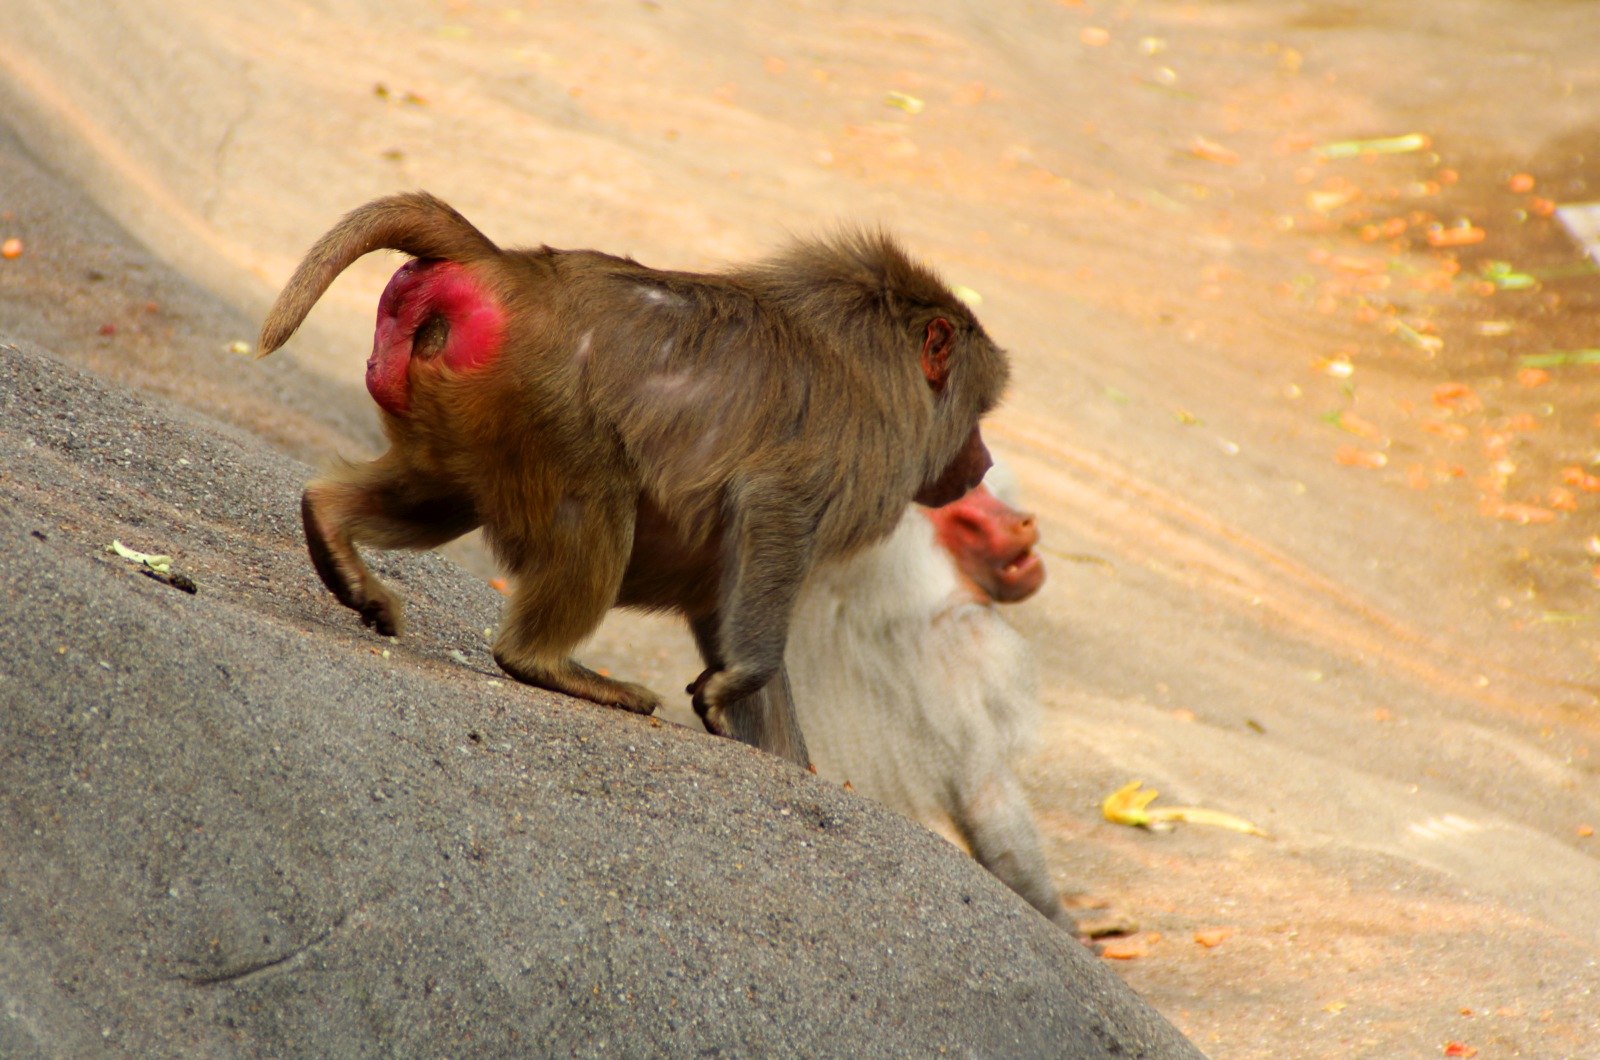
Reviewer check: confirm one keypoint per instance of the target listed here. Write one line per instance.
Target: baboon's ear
(936, 350)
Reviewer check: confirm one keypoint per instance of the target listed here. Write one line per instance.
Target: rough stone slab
(231, 825)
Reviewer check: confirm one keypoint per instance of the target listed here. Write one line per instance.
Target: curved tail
(415, 223)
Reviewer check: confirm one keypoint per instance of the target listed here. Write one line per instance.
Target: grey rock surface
(236, 823)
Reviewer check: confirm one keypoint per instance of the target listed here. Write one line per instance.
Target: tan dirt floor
(1321, 523)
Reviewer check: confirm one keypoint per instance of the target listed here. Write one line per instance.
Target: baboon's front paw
(713, 691)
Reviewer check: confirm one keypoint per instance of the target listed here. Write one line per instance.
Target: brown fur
(657, 439)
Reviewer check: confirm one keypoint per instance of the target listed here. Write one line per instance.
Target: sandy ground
(1316, 484)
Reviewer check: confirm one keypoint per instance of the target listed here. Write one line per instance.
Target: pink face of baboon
(992, 544)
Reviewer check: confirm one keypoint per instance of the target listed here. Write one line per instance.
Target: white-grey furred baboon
(912, 687)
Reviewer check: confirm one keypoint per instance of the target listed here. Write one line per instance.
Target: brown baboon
(645, 438)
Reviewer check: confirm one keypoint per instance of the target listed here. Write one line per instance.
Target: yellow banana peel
(1129, 805)
(159, 564)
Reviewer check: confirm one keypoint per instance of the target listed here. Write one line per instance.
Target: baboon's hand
(716, 689)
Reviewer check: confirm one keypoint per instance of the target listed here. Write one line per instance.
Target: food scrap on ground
(159, 564)
(902, 101)
(1130, 806)
(1560, 358)
(1464, 234)
(155, 566)
(1387, 145)
(1129, 949)
(1211, 151)
(1354, 456)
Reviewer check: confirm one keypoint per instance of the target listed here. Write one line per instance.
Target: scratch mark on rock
(245, 973)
